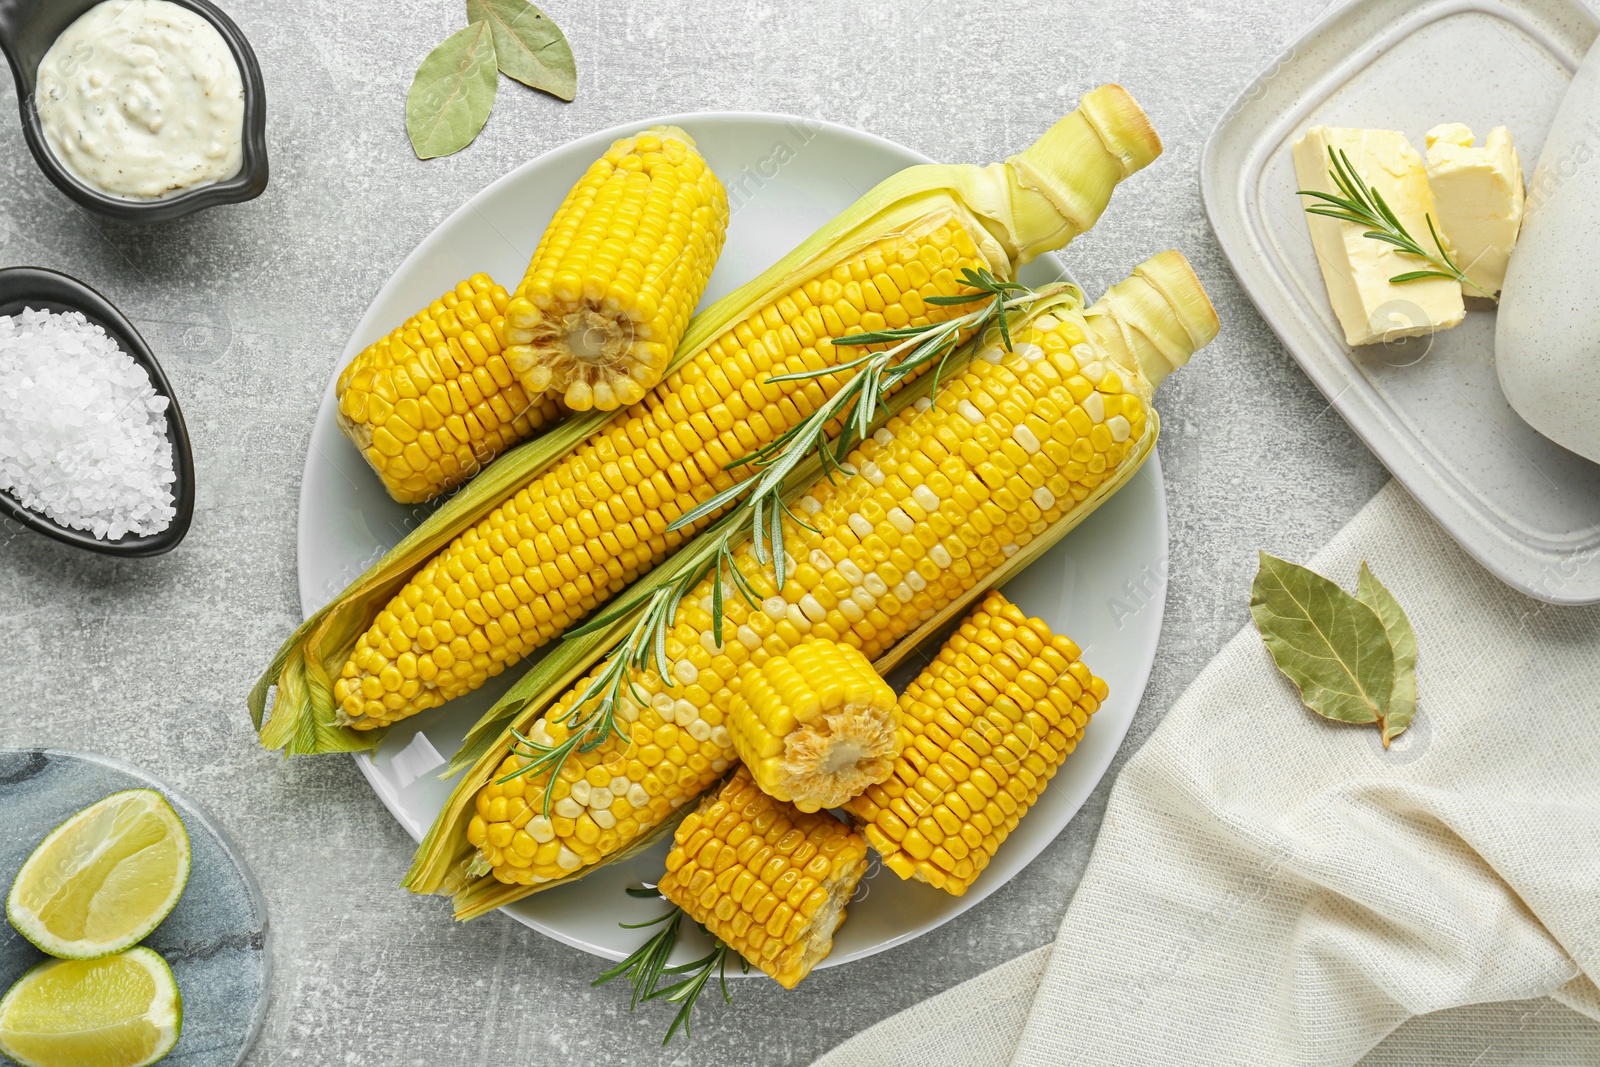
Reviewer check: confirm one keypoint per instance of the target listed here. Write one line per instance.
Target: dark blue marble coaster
(215, 939)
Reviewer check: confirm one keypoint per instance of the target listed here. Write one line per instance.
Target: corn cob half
(418, 631)
(946, 497)
(764, 877)
(433, 402)
(987, 724)
(609, 291)
(815, 726)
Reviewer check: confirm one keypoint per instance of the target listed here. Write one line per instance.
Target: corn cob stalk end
(1156, 318)
(1061, 184)
(1122, 126)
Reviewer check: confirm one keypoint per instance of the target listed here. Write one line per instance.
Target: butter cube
(1357, 269)
(1479, 195)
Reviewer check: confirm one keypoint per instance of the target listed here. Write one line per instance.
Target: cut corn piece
(590, 526)
(943, 497)
(765, 878)
(986, 726)
(610, 289)
(815, 726)
(433, 402)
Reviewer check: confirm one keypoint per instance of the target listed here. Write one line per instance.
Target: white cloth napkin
(1272, 888)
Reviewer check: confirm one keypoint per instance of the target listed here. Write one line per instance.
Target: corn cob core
(816, 726)
(943, 495)
(433, 402)
(987, 724)
(618, 272)
(594, 522)
(764, 877)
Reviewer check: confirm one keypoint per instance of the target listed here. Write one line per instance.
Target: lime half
(117, 1011)
(104, 878)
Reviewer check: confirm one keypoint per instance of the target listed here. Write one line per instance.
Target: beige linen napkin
(1272, 888)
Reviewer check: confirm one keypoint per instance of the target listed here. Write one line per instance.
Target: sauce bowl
(27, 30)
(48, 290)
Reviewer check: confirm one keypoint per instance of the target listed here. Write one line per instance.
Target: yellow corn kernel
(764, 877)
(433, 402)
(618, 272)
(816, 726)
(994, 715)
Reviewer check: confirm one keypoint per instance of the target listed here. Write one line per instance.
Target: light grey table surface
(248, 308)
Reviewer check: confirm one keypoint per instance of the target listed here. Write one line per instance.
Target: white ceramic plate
(1430, 408)
(1103, 585)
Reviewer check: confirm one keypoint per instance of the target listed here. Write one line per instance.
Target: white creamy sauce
(143, 99)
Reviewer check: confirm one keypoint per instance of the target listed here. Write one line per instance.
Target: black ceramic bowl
(27, 30)
(46, 289)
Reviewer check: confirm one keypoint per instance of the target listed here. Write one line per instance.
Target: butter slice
(1357, 269)
(1479, 195)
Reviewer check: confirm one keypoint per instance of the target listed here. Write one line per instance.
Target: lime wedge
(117, 1011)
(104, 878)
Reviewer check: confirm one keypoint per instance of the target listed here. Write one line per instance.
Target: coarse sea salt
(83, 433)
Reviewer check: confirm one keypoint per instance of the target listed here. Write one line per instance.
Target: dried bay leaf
(1403, 641)
(529, 47)
(1333, 647)
(453, 92)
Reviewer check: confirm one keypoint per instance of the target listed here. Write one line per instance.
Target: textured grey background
(248, 307)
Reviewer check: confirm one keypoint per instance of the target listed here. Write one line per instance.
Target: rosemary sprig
(760, 513)
(1363, 205)
(647, 965)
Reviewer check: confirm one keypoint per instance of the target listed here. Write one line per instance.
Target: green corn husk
(1036, 201)
(1150, 324)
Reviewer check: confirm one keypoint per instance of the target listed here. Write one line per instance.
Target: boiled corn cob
(815, 726)
(987, 724)
(434, 401)
(765, 878)
(609, 291)
(1020, 444)
(594, 522)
